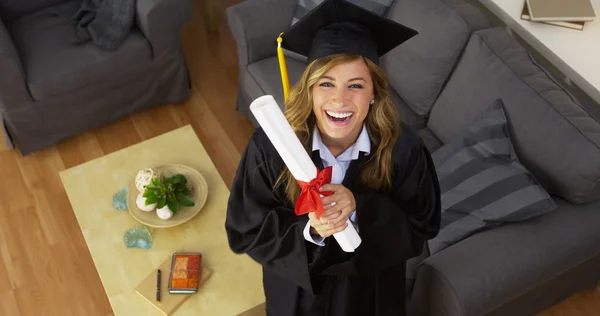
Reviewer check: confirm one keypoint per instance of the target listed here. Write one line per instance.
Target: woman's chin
(338, 132)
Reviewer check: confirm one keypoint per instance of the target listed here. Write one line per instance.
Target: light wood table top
(235, 284)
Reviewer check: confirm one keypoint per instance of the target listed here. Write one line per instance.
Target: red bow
(309, 199)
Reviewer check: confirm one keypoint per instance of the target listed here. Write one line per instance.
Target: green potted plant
(168, 194)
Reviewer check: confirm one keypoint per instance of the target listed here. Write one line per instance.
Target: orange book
(186, 272)
(167, 302)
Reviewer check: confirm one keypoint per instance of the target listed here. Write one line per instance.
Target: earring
(372, 102)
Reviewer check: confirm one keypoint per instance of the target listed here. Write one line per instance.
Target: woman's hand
(338, 208)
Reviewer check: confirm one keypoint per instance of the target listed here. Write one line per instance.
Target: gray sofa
(441, 80)
(51, 89)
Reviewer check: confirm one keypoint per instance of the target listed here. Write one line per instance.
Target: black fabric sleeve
(418, 195)
(260, 223)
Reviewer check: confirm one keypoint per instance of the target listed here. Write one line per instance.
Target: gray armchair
(255, 29)
(51, 89)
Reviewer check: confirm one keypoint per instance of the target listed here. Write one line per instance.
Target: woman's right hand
(325, 229)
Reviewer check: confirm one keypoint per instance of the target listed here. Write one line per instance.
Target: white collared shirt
(339, 166)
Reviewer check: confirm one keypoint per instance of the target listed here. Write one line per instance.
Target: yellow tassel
(283, 68)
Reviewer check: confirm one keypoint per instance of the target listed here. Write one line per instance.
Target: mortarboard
(338, 26)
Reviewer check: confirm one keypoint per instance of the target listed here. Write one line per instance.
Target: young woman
(383, 181)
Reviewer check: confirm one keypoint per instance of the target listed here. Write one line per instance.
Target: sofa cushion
(419, 67)
(407, 115)
(470, 12)
(555, 138)
(267, 76)
(376, 6)
(482, 183)
(497, 267)
(53, 65)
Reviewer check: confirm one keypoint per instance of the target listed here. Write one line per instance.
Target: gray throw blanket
(105, 22)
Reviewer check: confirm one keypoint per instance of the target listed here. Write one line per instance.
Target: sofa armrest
(518, 268)
(13, 88)
(256, 24)
(161, 22)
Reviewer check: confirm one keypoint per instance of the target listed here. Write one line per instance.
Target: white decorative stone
(143, 178)
(164, 212)
(141, 204)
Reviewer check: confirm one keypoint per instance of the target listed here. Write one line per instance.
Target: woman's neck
(338, 146)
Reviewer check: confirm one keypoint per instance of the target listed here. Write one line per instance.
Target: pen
(158, 286)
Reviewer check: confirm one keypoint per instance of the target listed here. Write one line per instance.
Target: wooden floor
(46, 268)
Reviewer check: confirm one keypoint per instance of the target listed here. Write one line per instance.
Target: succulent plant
(170, 191)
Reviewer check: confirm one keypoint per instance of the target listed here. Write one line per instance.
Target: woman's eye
(326, 84)
(356, 86)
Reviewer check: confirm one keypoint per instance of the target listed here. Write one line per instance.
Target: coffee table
(235, 284)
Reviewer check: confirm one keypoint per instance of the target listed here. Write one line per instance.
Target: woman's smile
(339, 118)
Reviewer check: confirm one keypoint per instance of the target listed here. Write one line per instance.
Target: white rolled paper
(280, 133)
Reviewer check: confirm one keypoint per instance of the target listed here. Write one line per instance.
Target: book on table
(561, 10)
(185, 273)
(525, 15)
(182, 276)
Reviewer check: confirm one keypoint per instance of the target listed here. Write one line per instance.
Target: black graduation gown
(301, 278)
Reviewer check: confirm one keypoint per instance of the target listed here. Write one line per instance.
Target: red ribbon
(309, 199)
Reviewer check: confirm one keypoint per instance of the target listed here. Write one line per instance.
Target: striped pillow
(482, 183)
(376, 6)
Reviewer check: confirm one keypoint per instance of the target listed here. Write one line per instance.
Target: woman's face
(341, 100)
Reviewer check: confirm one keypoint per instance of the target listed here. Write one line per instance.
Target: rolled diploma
(280, 133)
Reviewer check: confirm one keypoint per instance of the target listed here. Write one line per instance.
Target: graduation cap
(338, 26)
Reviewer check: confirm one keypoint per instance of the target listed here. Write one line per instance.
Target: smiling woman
(383, 179)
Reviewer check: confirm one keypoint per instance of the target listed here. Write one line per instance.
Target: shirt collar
(363, 143)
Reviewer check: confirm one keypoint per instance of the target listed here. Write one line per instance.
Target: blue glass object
(138, 237)
(120, 200)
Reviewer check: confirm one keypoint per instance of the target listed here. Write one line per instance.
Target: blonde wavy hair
(382, 122)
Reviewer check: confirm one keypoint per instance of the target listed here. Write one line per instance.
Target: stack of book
(565, 13)
(184, 274)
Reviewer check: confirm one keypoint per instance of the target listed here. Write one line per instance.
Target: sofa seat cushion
(419, 67)
(268, 78)
(53, 65)
(497, 266)
(554, 137)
